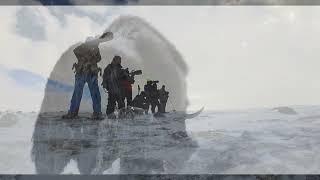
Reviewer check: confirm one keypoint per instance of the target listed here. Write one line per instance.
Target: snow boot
(70, 115)
(112, 116)
(97, 116)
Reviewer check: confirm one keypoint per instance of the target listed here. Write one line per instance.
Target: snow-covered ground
(256, 141)
(233, 142)
(15, 140)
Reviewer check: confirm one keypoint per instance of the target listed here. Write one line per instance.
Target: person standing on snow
(86, 71)
(112, 76)
(163, 97)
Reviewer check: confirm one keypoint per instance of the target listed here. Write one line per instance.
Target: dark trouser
(154, 104)
(80, 80)
(112, 100)
(146, 107)
(162, 106)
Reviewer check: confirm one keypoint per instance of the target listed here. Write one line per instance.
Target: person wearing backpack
(86, 71)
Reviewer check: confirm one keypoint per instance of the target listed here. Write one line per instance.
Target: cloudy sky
(238, 57)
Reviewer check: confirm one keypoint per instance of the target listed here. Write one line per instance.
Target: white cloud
(101, 10)
(15, 97)
(36, 56)
(41, 56)
(276, 67)
(238, 56)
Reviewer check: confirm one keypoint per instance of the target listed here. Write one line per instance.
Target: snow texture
(255, 141)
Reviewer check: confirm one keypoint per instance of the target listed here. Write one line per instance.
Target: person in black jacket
(152, 95)
(163, 97)
(112, 76)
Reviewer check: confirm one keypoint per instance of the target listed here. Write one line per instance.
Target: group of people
(116, 80)
(118, 83)
(152, 96)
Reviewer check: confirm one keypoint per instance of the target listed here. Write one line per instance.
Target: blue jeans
(80, 80)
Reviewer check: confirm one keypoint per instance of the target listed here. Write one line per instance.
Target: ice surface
(256, 141)
(234, 142)
(143, 145)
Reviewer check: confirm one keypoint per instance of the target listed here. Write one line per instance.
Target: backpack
(88, 55)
